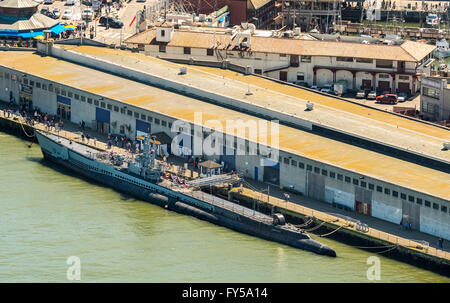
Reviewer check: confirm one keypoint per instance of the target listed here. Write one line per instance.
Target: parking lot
(413, 102)
(100, 33)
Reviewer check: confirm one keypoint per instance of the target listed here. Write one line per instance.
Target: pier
(364, 232)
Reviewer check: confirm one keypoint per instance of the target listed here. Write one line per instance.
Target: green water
(48, 215)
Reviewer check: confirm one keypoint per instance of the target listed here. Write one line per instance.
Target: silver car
(372, 95)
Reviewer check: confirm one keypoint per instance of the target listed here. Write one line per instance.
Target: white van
(70, 2)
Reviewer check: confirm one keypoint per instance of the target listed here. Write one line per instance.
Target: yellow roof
(376, 125)
(322, 149)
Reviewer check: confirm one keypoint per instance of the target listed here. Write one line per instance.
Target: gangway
(214, 180)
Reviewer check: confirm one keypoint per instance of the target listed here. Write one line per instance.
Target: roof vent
(309, 106)
(183, 70)
(446, 145)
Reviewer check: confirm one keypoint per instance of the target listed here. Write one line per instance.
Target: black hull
(216, 215)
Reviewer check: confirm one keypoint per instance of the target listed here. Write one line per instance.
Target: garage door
(366, 84)
(384, 85)
(403, 87)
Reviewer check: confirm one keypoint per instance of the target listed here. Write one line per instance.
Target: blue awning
(30, 35)
(57, 29)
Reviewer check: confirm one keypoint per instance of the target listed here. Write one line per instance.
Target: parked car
(372, 95)
(56, 12)
(87, 14)
(48, 1)
(112, 22)
(314, 87)
(327, 88)
(67, 15)
(70, 2)
(388, 98)
(402, 97)
(361, 94)
(44, 10)
(38, 1)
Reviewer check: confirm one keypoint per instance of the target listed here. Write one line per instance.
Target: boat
(433, 20)
(442, 49)
(141, 176)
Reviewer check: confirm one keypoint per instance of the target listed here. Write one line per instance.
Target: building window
(143, 117)
(149, 119)
(364, 60)
(411, 198)
(136, 115)
(163, 33)
(116, 108)
(379, 189)
(435, 206)
(300, 76)
(348, 179)
(77, 97)
(57, 91)
(324, 172)
(332, 174)
(162, 48)
(395, 193)
(129, 113)
(387, 191)
(156, 121)
(258, 71)
(419, 201)
(283, 55)
(344, 59)
(209, 52)
(38, 84)
(371, 186)
(301, 165)
(63, 92)
(187, 50)
(163, 123)
(443, 208)
(431, 92)
(383, 76)
(403, 196)
(170, 125)
(109, 106)
(306, 59)
(89, 100)
(384, 63)
(70, 94)
(25, 81)
(355, 181)
(427, 203)
(317, 170)
(122, 129)
(363, 184)
(102, 104)
(44, 86)
(340, 177)
(286, 160)
(403, 77)
(309, 167)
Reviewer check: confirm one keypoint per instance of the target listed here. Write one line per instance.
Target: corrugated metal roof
(35, 22)
(18, 3)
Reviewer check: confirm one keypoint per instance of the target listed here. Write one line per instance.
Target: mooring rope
(332, 232)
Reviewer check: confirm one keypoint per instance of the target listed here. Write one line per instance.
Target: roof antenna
(248, 93)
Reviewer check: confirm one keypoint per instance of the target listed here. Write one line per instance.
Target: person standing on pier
(441, 243)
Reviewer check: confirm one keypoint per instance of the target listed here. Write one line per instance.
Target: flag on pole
(132, 21)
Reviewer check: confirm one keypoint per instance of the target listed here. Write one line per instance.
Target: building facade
(435, 99)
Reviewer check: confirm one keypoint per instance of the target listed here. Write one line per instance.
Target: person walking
(441, 243)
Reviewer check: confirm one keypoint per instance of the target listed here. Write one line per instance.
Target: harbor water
(48, 215)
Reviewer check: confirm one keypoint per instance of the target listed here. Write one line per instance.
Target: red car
(388, 98)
